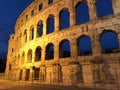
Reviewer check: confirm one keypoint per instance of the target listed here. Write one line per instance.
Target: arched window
(50, 24)
(38, 54)
(23, 58)
(50, 1)
(82, 13)
(109, 41)
(25, 36)
(104, 8)
(31, 34)
(40, 29)
(64, 17)
(49, 51)
(29, 56)
(64, 49)
(84, 45)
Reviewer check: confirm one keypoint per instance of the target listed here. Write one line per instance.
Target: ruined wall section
(69, 67)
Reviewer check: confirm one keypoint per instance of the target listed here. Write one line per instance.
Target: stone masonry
(98, 67)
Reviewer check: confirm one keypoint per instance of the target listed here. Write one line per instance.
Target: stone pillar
(31, 74)
(56, 73)
(43, 53)
(76, 73)
(72, 14)
(96, 47)
(119, 40)
(56, 50)
(35, 31)
(56, 22)
(73, 47)
(17, 74)
(33, 56)
(116, 6)
(42, 75)
(87, 74)
(44, 27)
(92, 9)
(24, 75)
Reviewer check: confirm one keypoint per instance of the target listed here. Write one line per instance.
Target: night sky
(9, 12)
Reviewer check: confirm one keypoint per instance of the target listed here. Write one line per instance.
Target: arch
(39, 29)
(82, 13)
(50, 24)
(84, 45)
(49, 51)
(64, 49)
(104, 8)
(50, 1)
(38, 53)
(29, 56)
(109, 41)
(64, 18)
(25, 36)
(31, 33)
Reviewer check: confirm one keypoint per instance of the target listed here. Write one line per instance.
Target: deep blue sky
(9, 12)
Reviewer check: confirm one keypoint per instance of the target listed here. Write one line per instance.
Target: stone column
(33, 56)
(35, 31)
(56, 22)
(56, 50)
(43, 53)
(96, 47)
(116, 6)
(24, 75)
(72, 14)
(87, 72)
(73, 47)
(31, 74)
(119, 40)
(92, 9)
(44, 27)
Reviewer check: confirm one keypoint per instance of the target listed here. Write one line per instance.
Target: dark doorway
(27, 74)
(20, 75)
(36, 73)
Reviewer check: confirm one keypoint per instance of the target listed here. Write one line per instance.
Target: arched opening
(64, 49)
(64, 17)
(31, 34)
(104, 8)
(82, 13)
(50, 24)
(49, 51)
(50, 1)
(84, 45)
(25, 36)
(38, 53)
(40, 29)
(29, 56)
(109, 42)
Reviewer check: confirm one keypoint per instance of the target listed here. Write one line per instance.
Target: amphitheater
(46, 46)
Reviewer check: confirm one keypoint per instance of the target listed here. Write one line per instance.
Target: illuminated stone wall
(73, 70)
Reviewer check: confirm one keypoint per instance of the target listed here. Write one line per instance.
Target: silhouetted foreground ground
(30, 86)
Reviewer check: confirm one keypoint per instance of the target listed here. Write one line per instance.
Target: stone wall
(75, 69)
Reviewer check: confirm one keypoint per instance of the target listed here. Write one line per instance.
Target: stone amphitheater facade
(35, 57)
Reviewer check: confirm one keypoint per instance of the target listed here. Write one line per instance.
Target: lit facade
(44, 50)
